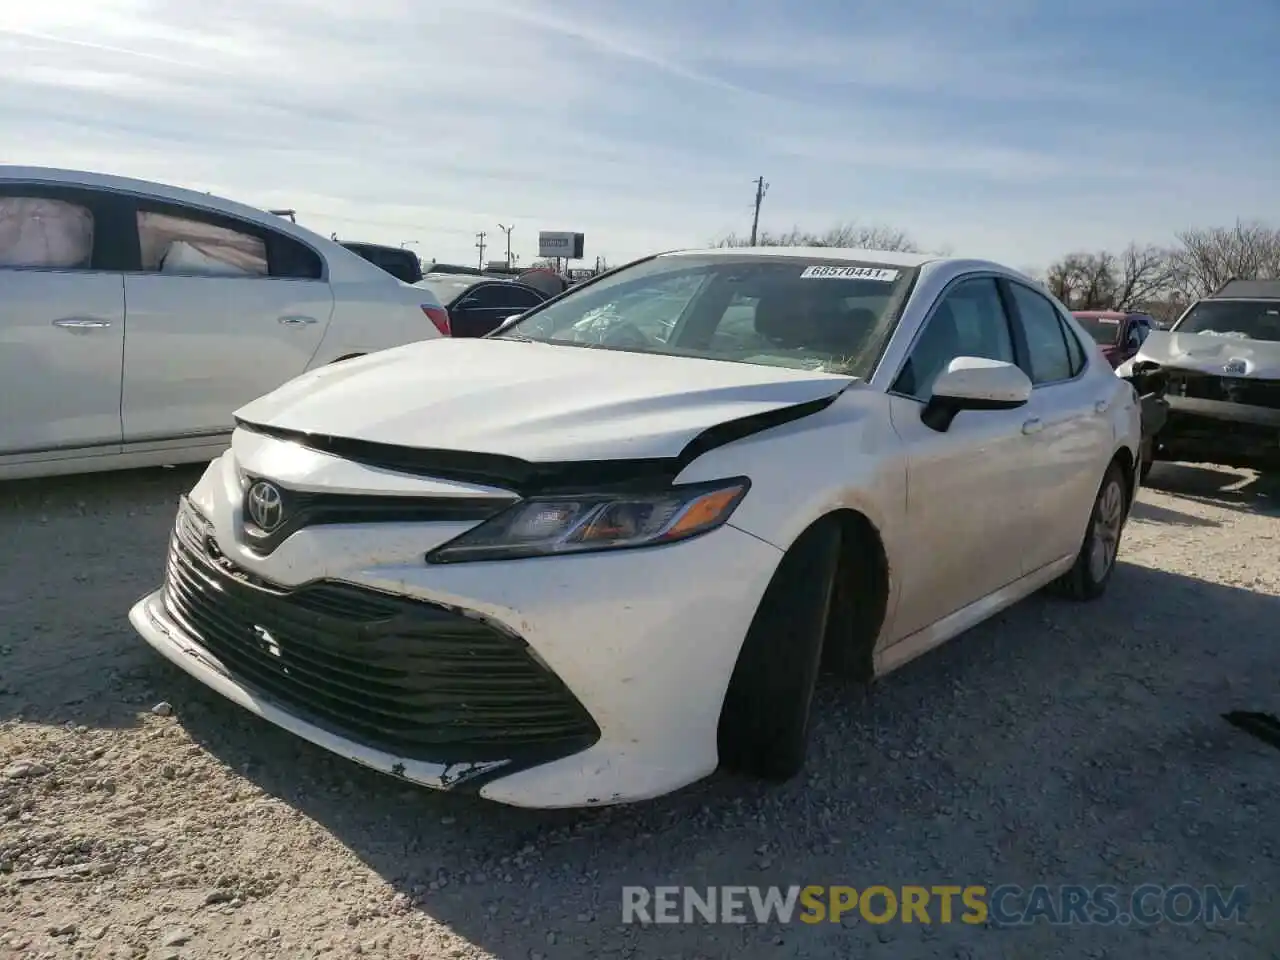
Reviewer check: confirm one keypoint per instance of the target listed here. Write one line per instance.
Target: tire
(1096, 562)
(764, 722)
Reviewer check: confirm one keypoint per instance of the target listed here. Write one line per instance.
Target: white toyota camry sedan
(592, 558)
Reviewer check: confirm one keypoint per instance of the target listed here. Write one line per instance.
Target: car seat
(820, 323)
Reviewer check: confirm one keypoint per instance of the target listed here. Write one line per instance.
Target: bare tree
(1083, 281)
(1205, 259)
(1145, 273)
(850, 235)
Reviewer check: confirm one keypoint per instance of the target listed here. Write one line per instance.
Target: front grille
(300, 509)
(1206, 386)
(393, 673)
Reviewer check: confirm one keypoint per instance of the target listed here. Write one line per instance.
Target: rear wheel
(764, 723)
(1088, 578)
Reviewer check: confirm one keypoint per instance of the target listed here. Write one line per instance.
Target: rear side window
(172, 244)
(45, 233)
(1046, 339)
(1075, 350)
(186, 243)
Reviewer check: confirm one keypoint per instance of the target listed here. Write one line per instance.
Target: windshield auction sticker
(849, 273)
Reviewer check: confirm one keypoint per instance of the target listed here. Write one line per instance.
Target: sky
(1011, 129)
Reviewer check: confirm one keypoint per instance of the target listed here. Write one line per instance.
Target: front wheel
(1096, 561)
(764, 722)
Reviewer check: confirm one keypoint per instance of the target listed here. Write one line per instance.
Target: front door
(212, 324)
(61, 326)
(966, 502)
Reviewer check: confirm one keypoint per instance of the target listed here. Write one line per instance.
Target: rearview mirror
(974, 383)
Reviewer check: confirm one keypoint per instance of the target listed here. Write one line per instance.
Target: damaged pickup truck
(1211, 384)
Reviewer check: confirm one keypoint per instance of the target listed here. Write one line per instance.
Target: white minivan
(135, 317)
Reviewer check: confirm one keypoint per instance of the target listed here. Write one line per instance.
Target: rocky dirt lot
(141, 816)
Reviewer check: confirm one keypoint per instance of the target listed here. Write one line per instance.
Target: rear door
(220, 312)
(1068, 423)
(61, 322)
(483, 308)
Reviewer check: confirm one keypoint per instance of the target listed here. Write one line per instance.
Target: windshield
(1247, 319)
(1104, 330)
(828, 315)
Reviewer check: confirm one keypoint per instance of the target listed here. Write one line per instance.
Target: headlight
(549, 526)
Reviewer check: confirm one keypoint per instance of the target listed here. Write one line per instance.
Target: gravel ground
(141, 815)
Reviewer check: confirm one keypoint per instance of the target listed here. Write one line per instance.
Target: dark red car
(1117, 333)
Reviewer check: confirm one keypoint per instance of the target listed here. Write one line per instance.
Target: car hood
(532, 401)
(1209, 353)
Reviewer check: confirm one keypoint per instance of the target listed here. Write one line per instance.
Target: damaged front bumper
(1201, 418)
(411, 688)
(162, 632)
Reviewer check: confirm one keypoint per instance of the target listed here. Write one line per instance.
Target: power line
(761, 189)
(480, 246)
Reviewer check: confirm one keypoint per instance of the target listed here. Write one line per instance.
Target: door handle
(1100, 406)
(1034, 425)
(82, 323)
(297, 321)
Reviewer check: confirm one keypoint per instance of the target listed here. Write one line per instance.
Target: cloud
(641, 125)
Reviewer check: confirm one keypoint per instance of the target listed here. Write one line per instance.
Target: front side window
(825, 315)
(45, 233)
(506, 299)
(1046, 337)
(1246, 319)
(969, 321)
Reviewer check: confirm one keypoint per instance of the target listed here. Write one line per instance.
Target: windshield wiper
(510, 336)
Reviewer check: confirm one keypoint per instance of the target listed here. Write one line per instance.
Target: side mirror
(974, 383)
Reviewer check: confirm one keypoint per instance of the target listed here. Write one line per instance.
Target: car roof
(1103, 314)
(1236, 288)
(380, 247)
(450, 286)
(343, 264)
(891, 258)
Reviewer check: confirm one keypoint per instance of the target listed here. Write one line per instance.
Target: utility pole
(480, 246)
(507, 231)
(761, 189)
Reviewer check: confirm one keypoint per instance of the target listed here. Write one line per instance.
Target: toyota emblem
(265, 506)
